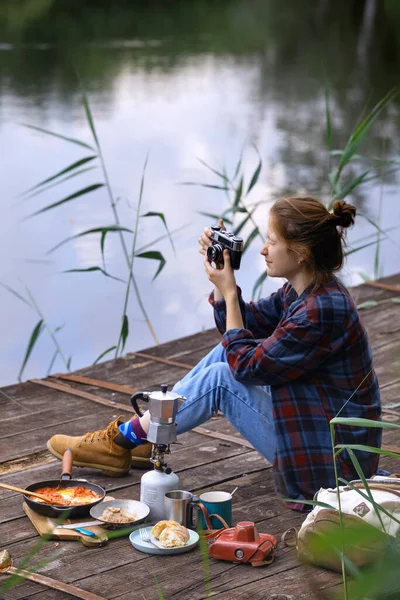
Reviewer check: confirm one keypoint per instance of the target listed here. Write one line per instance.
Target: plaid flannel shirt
(313, 352)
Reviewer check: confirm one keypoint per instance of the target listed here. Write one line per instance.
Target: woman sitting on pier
(285, 367)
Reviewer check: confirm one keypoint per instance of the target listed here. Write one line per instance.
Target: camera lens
(215, 253)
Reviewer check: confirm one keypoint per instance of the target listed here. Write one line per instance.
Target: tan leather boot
(96, 449)
(141, 457)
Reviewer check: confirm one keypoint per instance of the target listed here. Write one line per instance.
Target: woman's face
(280, 260)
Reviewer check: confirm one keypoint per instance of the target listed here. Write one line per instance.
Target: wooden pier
(208, 458)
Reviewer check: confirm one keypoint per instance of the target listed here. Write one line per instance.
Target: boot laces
(103, 434)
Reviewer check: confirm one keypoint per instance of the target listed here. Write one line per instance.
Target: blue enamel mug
(216, 503)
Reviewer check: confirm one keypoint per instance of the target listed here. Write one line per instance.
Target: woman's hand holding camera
(205, 238)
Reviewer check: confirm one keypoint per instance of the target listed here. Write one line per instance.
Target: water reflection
(187, 80)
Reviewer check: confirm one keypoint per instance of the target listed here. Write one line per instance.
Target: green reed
(93, 159)
(240, 212)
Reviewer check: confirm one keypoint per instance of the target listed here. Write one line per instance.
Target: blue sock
(133, 431)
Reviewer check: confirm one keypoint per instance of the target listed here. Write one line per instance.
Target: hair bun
(344, 213)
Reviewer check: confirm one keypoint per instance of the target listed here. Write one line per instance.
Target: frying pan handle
(139, 396)
(67, 464)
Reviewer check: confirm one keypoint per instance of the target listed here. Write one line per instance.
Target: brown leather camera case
(243, 544)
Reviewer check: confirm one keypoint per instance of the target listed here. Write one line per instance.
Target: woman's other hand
(205, 238)
(223, 278)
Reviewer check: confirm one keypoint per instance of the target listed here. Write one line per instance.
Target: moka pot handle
(139, 396)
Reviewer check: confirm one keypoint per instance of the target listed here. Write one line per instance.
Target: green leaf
(162, 217)
(247, 218)
(57, 183)
(258, 284)
(98, 359)
(58, 135)
(251, 237)
(239, 164)
(51, 365)
(360, 247)
(215, 217)
(16, 294)
(354, 422)
(370, 449)
(358, 136)
(86, 190)
(367, 304)
(90, 118)
(124, 331)
(238, 194)
(395, 300)
(345, 191)
(255, 176)
(222, 175)
(37, 330)
(206, 185)
(154, 255)
(74, 165)
(328, 121)
(103, 230)
(92, 269)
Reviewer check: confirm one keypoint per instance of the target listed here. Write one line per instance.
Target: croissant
(170, 534)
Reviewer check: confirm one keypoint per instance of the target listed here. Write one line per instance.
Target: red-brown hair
(308, 228)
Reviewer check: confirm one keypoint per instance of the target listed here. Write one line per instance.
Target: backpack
(366, 529)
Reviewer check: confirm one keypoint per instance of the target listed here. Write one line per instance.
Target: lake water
(177, 82)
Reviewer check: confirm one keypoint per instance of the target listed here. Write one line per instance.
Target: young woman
(286, 364)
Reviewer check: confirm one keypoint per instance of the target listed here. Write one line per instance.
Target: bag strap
(210, 532)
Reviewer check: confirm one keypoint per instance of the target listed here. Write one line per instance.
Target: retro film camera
(225, 240)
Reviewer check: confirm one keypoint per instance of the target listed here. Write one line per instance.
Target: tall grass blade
(238, 166)
(90, 118)
(59, 182)
(222, 175)
(258, 285)
(103, 230)
(370, 449)
(361, 475)
(328, 120)
(159, 592)
(37, 330)
(75, 165)
(131, 259)
(251, 237)
(353, 250)
(103, 354)
(347, 189)
(358, 422)
(215, 217)
(124, 332)
(238, 193)
(255, 177)
(51, 365)
(206, 185)
(162, 217)
(59, 136)
(16, 294)
(154, 255)
(359, 135)
(86, 190)
(91, 270)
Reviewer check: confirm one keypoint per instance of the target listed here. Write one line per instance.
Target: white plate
(147, 547)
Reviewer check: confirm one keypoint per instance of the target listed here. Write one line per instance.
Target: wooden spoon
(28, 493)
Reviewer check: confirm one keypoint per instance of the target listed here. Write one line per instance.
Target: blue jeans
(210, 387)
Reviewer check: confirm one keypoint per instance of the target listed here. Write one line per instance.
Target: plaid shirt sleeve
(260, 318)
(296, 347)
